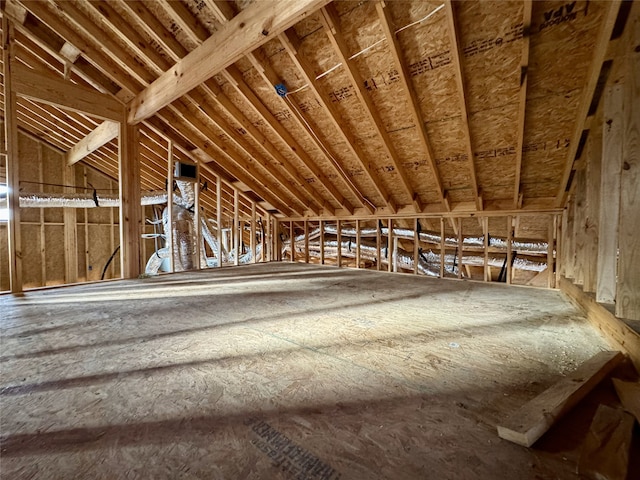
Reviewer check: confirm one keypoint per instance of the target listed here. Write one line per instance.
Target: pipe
(84, 200)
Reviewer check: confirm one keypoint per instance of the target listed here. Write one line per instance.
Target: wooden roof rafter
(92, 53)
(291, 43)
(241, 35)
(271, 78)
(464, 114)
(169, 124)
(409, 91)
(225, 104)
(235, 79)
(332, 27)
(157, 137)
(201, 102)
(222, 12)
(227, 159)
(522, 98)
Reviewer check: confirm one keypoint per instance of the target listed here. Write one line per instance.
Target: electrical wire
(426, 17)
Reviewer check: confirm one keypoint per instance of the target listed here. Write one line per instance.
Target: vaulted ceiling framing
(391, 108)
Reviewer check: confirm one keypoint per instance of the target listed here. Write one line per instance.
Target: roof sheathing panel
(491, 41)
(563, 37)
(426, 50)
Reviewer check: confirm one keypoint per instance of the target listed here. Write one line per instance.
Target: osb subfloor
(281, 371)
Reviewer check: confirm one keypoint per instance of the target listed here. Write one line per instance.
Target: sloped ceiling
(403, 107)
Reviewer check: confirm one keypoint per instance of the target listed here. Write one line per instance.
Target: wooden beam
(485, 244)
(198, 134)
(219, 218)
(411, 96)
(70, 230)
(339, 242)
(390, 249)
(416, 246)
(235, 229)
(102, 135)
(358, 240)
(321, 242)
(290, 42)
(442, 248)
(183, 17)
(12, 158)
(235, 78)
(306, 241)
(129, 190)
(104, 63)
(614, 330)
(48, 89)
(252, 240)
(509, 248)
(333, 28)
(522, 98)
(534, 418)
(550, 250)
(612, 151)
(605, 451)
(268, 149)
(462, 98)
(598, 55)
(170, 238)
(460, 247)
(243, 145)
(628, 283)
(254, 26)
(197, 230)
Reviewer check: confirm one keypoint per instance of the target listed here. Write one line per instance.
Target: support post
(130, 214)
(460, 242)
(197, 228)
(339, 240)
(306, 241)
(485, 243)
(559, 248)
(550, 248)
(358, 239)
(509, 247)
(442, 244)
(416, 244)
(321, 242)
(12, 173)
(236, 227)
(219, 218)
(70, 231)
(378, 244)
(253, 232)
(292, 237)
(170, 239)
(390, 251)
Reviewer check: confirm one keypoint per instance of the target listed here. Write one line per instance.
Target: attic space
(306, 239)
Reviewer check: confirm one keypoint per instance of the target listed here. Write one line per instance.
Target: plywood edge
(615, 331)
(534, 418)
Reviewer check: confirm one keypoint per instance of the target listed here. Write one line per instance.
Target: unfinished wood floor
(281, 371)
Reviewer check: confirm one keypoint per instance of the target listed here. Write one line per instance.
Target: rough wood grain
(533, 419)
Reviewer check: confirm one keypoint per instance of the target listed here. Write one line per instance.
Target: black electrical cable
(104, 270)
